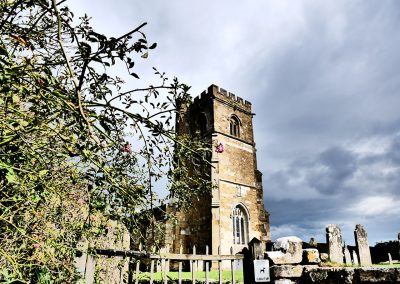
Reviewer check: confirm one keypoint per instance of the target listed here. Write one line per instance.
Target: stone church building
(234, 213)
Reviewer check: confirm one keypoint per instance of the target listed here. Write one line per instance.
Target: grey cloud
(338, 165)
(322, 76)
(394, 152)
(345, 180)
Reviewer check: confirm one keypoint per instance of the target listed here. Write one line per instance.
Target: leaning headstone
(347, 256)
(334, 241)
(398, 239)
(390, 259)
(355, 258)
(362, 245)
(287, 250)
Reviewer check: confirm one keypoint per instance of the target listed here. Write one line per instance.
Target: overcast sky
(324, 81)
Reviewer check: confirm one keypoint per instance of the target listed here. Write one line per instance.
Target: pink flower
(36, 246)
(219, 148)
(81, 201)
(127, 148)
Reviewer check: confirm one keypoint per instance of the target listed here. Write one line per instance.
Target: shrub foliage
(76, 143)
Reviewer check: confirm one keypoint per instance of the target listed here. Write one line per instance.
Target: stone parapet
(216, 92)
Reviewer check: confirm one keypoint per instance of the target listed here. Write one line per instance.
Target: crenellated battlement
(215, 91)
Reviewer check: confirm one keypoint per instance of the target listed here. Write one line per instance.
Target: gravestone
(355, 258)
(286, 250)
(398, 239)
(347, 256)
(390, 258)
(334, 241)
(361, 239)
(313, 243)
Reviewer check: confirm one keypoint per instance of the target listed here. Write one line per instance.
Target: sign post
(261, 270)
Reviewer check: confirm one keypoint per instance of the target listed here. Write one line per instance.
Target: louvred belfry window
(234, 126)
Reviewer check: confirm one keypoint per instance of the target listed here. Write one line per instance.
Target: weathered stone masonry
(234, 212)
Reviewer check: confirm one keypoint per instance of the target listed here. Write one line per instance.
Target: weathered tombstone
(334, 241)
(287, 250)
(390, 259)
(355, 258)
(347, 256)
(398, 239)
(313, 243)
(362, 245)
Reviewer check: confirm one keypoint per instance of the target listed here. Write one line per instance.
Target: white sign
(261, 270)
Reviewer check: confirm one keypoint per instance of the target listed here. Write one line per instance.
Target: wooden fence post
(248, 269)
(219, 266)
(152, 268)
(137, 266)
(233, 267)
(166, 266)
(207, 266)
(253, 252)
(180, 266)
(194, 266)
(90, 269)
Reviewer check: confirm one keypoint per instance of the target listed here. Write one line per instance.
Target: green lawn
(226, 275)
(387, 265)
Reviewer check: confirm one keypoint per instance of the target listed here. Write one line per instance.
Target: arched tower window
(240, 223)
(235, 126)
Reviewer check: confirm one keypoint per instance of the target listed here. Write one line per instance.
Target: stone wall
(349, 275)
(190, 228)
(288, 267)
(309, 274)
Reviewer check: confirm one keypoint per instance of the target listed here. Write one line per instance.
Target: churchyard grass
(387, 264)
(200, 275)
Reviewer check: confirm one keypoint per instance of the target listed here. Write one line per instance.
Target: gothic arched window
(235, 126)
(240, 223)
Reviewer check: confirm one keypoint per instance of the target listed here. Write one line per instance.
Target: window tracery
(240, 225)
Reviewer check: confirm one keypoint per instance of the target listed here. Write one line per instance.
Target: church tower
(234, 213)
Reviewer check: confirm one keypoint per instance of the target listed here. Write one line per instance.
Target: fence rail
(161, 262)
